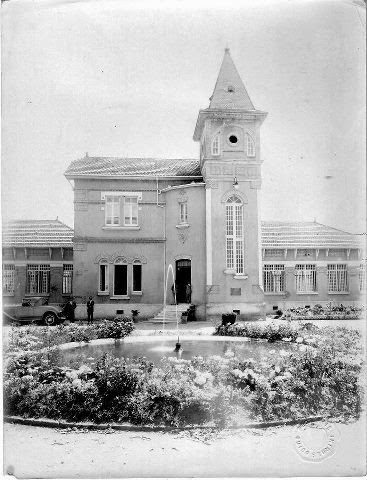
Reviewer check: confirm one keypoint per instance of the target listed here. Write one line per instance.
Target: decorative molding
(182, 235)
(104, 257)
(119, 240)
(182, 257)
(237, 193)
(211, 184)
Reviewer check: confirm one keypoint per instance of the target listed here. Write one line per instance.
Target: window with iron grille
(274, 278)
(103, 278)
(362, 277)
(250, 146)
(8, 279)
(216, 145)
(305, 278)
(67, 279)
(38, 279)
(234, 235)
(337, 278)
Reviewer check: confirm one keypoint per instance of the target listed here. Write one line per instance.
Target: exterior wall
(21, 257)
(187, 241)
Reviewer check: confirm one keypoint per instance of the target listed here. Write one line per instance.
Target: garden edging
(44, 422)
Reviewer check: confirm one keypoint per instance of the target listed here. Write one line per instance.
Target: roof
(140, 167)
(306, 235)
(229, 91)
(37, 233)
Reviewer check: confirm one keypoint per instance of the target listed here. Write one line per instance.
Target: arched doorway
(183, 277)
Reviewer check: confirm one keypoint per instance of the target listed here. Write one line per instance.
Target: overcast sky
(120, 78)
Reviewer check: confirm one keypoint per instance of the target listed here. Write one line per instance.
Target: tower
(229, 135)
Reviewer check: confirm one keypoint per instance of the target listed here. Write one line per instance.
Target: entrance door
(183, 277)
(120, 287)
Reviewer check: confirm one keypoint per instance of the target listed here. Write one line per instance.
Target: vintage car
(34, 309)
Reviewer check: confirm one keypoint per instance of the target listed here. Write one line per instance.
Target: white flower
(77, 383)
(229, 353)
(299, 339)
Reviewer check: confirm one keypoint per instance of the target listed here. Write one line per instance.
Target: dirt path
(48, 453)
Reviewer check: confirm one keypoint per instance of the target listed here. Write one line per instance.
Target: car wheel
(49, 318)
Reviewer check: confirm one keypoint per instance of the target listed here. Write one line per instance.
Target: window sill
(138, 294)
(307, 293)
(338, 293)
(134, 227)
(274, 293)
(183, 225)
(103, 293)
(120, 297)
(240, 277)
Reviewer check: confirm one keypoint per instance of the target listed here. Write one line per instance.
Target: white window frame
(337, 275)
(235, 248)
(8, 279)
(183, 212)
(274, 278)
(41, 274)
(114, 202)
(67, 279)
(117, 263)
(129, 206)
(250, 146)
(106, 290)
(137, 263)
(215, 147)
(306, 278)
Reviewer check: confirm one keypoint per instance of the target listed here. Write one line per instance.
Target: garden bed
(321, 378)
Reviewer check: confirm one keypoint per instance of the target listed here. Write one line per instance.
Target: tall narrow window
(183, 212)
(67, 279)
(38, 279)
(8, 279)
(337, 278)
(274, 278)
(250, 146)
(216, 145)
(137, 277)
(103, 278)
(362, 277)
(112, 210)
(234, 237)
(120, 278)
(130, 211)
(305, 278)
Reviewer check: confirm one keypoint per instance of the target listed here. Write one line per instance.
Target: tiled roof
(37, 233)
(144, 167)
(306, 235)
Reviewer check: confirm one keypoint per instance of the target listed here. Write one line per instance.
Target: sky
(121, 78)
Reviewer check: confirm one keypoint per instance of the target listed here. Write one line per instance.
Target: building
(135, 217)
(37, 260)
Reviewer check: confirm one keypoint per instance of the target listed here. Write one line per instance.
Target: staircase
(170, 316)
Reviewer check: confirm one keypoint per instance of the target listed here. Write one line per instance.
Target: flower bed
(322, 379)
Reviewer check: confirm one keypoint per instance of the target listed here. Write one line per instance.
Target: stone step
(161, 322)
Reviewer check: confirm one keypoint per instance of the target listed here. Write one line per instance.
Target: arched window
(216, 145)
(120, 278)
(250, 144)
(234, 235)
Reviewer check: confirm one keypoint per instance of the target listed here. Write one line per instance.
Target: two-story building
(136, 216)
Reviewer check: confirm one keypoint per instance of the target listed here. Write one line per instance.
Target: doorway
(183, 277)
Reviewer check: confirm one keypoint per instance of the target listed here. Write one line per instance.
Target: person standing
(90, 310)
(188, 293)
(69, 310)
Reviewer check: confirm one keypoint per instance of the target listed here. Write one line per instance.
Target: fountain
(170, 269)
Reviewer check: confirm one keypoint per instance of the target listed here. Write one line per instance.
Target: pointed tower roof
(229, 91)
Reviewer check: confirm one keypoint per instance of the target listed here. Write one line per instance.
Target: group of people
(69, 310)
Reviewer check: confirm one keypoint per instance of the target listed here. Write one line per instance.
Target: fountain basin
(154, 348)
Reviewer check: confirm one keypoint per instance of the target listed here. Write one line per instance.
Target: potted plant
(134, 314)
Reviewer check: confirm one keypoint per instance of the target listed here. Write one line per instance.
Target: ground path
(32, 452)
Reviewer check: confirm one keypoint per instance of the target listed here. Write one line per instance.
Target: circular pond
(155, 348)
